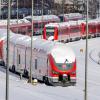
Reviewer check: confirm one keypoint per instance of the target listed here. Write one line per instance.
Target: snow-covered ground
(21, 90)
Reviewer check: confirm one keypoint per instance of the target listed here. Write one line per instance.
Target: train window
(63, 31)
(50, 31)
(35, 25)
(18, 59)
(39, 25)
(74, 29)
(35, 63)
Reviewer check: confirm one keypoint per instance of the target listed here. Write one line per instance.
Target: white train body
(51, 61)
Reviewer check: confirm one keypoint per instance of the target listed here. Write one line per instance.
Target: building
(69, 6)
(24, 8)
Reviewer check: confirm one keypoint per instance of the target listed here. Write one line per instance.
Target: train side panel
(1, 51)
(20, 58)
(39, 67)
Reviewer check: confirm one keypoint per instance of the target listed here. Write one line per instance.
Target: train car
(93, 28)
(72, 30)
(3, 37)
(1, 47)
(65, 31)
(38, 22)
(52, 62)
(71, 17)
(24, 25)
(97, 27)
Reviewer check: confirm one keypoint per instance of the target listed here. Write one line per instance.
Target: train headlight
(73, 73)
(54, 72)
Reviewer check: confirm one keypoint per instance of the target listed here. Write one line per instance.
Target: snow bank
(95, 55)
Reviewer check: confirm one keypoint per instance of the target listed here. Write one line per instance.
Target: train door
(27, 59)
(40, 65)
(1, 52)
(35, 67)
(21, 59)
(18, 60)
(48, 67)
(1, 47)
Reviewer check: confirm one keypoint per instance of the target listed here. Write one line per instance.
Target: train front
(62, 64)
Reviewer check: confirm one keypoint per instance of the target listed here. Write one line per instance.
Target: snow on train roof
(3, 32)
(13, 21)
(3, 36)
(57, 24)
(74, 15)
(39, 44)
(63, 54)
(63, 24)
(46, 46)
(44, 18)
(17, 38)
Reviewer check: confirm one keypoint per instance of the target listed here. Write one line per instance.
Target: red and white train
(72, 30)
(52, 62)
(25, 26)
(71, 17)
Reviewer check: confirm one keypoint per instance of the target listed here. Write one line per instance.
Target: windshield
(64, 66)
(50, 31)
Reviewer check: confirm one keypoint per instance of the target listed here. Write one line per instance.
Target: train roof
(44, 18)
(40, 45)
(63, 24)
(13, 21)
(3, 34)
(56, 49)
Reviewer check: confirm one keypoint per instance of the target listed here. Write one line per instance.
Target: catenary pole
(63, 3)
(17, 15)
(0, 9)
(7, 60)
(42, 19)
(86, 53)
(30, 76)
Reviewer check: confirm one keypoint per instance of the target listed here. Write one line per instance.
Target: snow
(21, 90)
(44, 18)
(13, 21)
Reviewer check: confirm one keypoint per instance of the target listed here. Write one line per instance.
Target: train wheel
(89, 36)
(46, 81)
(70, 39)
(67, 41)
(13, 69)
(2, 63)
(25, 73)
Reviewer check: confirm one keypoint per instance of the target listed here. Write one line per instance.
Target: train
(52, 62)
(24, 25)
(72, 30)
(71, 17)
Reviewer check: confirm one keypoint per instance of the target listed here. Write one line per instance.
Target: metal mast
(63, 3)
(17, 15)
(86, 54)
(42, 20)
(7, 60)
(30, 76)
(0, 9)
